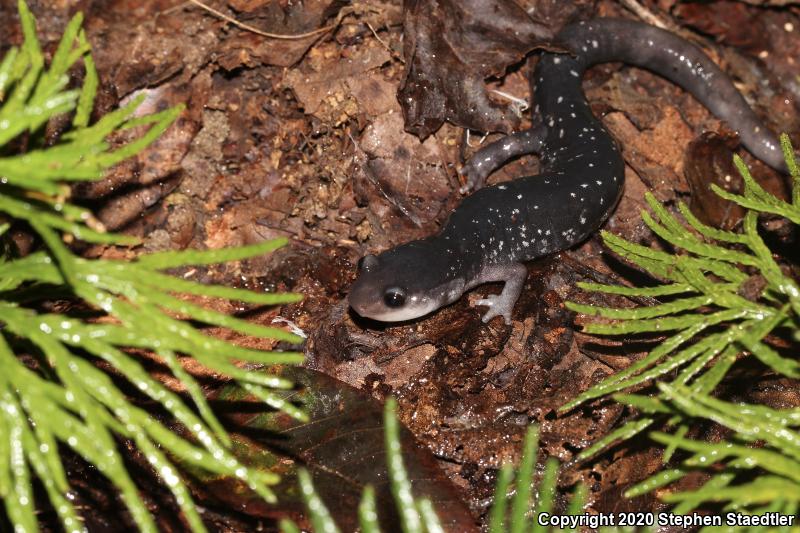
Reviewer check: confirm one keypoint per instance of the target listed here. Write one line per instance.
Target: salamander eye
(394, 297)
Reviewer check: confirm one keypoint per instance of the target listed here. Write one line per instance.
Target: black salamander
(490, 234)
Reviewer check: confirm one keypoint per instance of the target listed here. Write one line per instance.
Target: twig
(518, 105)
(646, 15)
(249, 28)
(375, 34)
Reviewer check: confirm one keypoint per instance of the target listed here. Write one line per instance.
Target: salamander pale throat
(495, 229)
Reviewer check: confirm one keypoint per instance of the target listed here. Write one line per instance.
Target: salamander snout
(379, 293)
(399, 285)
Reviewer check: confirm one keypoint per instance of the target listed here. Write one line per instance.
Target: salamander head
(403, 283)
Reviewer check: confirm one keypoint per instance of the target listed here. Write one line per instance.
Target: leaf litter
(319, 139)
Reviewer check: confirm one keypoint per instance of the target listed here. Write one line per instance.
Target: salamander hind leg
(513, 274)
(496, 154)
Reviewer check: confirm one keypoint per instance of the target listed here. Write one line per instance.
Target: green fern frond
(64, 400)
(711, 318)
(703, 285)
(776, 458)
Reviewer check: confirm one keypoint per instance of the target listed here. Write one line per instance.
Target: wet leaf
(725, 21)
(709, 160)
(342, 446)
(450, 48)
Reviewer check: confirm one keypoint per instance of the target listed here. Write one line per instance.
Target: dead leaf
(342, 446)
(450, 48)
(312, 88)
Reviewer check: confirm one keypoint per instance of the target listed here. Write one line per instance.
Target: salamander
(497, 228)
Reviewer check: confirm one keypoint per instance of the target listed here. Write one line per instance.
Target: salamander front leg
(513, 274)
(494, 155)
